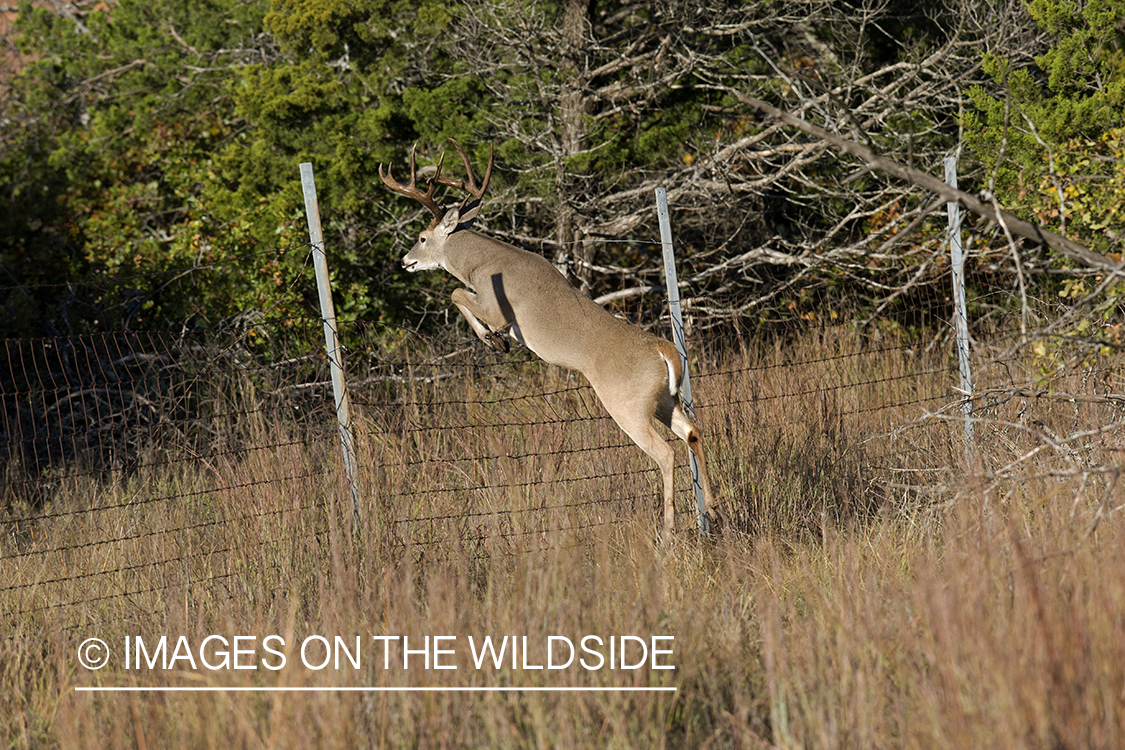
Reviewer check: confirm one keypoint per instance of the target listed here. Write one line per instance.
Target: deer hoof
(497, 342)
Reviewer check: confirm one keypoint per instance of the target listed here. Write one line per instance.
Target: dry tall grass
(872, 587)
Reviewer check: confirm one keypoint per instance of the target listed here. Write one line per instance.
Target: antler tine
(410, 189)
(470, 186)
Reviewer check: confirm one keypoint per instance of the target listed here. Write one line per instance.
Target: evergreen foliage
(150, 150)
(1074, 92)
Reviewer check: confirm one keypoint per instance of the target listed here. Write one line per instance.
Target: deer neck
(463, 256)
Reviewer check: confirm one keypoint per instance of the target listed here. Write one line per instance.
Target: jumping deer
(636, 375)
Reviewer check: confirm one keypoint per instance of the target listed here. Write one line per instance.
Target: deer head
(427, 253)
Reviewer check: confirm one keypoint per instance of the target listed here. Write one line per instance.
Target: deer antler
(475, 194)
(411, 190)
(470, 206)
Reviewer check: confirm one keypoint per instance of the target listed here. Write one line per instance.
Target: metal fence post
(673, 287)
(331, 338)
(960, 309)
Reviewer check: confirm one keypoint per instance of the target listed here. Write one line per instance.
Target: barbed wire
(517, 485)
(167, 462)
(505, 512)
(53, 375)
(139, 566)
(121, 594)
(113, 280)
(485, 536)
(515, 456)
(168, 584)
(831, 388)
(525, 423)
(82, 382)
(177, 529)
(495, 401)
(134, 503)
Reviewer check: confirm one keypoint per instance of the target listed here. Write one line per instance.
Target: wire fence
(139, 468)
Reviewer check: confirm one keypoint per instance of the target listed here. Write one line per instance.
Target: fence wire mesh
(140, 468)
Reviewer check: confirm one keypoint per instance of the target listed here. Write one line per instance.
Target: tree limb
(1016, 225)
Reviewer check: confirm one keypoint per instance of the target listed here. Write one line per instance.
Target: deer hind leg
(473, 307)
(690, 434)
(638, 425)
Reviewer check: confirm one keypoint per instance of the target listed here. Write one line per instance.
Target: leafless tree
(761, 209)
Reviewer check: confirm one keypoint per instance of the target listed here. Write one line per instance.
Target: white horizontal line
(211, 689)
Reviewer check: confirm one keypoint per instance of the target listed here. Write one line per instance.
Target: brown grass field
(873, 585)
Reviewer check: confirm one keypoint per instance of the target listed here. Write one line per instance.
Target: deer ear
(449, 222)
(469, 211)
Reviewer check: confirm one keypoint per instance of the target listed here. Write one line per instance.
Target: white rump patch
(672, 389)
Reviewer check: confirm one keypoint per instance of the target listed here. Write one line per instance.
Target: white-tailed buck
(635, 374)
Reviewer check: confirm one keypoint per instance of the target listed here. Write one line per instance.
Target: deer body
(635, 374)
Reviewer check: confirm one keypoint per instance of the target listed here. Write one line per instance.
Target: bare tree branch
(1013, 223)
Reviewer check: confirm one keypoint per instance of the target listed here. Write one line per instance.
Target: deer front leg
(488, 331)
